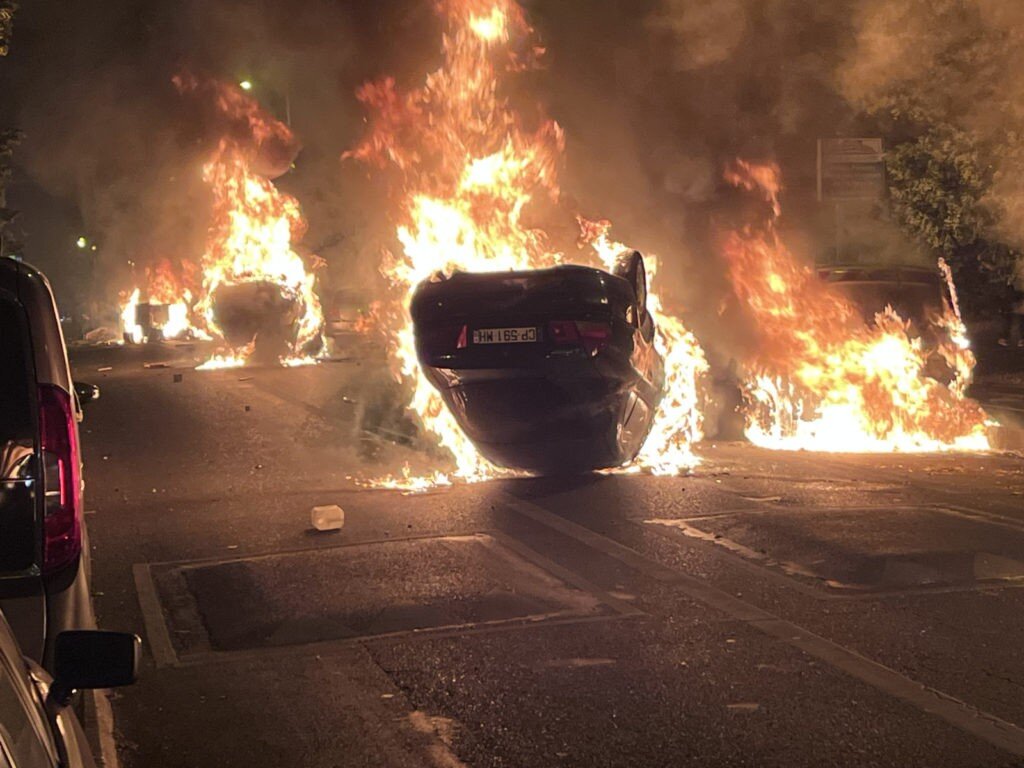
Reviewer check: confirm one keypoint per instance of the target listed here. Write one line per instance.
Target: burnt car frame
(550, 370)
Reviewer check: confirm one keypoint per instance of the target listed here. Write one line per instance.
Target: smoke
(955, 67)
(656, 97)
(106, 130)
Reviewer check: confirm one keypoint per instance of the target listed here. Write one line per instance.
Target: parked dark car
(44, 553)
(549, 370)
(38, 728)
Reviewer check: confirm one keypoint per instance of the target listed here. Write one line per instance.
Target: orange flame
(164, 286)
(254, 225)
(468, 168)
(678, 424)
(823, 378)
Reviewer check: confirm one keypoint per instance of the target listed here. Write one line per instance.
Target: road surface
(772, 609)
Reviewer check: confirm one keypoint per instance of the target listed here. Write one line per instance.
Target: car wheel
(630, 267)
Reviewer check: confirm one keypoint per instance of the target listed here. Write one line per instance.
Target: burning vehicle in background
(165, 309)
(547, 370)
(920, 295)
(917, 294)
(257, 292)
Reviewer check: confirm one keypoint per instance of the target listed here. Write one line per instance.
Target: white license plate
(505, 335)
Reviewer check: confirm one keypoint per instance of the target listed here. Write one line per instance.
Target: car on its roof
(547, 370)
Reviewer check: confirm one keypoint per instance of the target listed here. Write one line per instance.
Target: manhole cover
(360, 591)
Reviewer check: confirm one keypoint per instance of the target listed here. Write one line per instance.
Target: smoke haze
(656, 96)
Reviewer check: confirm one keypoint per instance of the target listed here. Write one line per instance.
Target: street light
(246, 85)
(81, 242)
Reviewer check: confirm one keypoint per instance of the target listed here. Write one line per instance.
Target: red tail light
(62, 481)
(563, 332)
(593, 336)
(463, 341)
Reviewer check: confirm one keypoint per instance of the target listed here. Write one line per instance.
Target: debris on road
(328, 518)
(178, 377)
(102, 335)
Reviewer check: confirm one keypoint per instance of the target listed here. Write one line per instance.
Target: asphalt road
(772, 609)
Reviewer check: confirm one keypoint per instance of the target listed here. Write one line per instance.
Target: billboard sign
(851, 169)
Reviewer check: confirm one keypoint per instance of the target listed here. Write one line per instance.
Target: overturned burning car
(548, 370)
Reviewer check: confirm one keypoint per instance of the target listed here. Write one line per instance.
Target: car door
(21, 588)
(24, 729)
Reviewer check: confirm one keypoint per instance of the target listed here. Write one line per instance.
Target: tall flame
(824, 379)
(678, 423)
(468, 169)
(254, 225)
(250, 240)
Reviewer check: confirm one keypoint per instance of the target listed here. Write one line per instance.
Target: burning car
(917, 294)
(547, 370)
(153, 320)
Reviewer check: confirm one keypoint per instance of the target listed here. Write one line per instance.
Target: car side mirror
(85, 659)
(87, 393)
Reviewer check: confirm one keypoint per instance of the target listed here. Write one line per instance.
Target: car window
(16, 376)
(23, 731)
(17, 440)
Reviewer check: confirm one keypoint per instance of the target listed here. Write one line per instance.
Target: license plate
(505, 335)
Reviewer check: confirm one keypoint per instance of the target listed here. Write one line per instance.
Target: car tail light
(62, 481)
(463, 340)
(593, 336)
(563, 332)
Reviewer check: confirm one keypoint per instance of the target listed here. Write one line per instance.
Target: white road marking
(960, 714)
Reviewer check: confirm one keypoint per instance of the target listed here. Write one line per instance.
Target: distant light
(93, 248)
(81, 242)
(245, 85)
